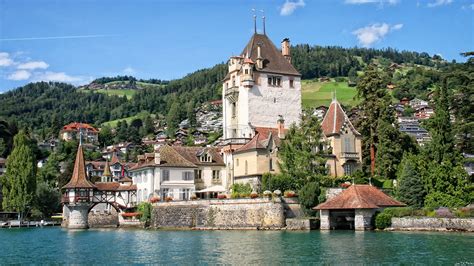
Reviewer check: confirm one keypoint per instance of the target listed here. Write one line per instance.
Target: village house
(119, 149)
(260, 87)
(344, 141)
(178, 173)
(116, 167)
(72, 131)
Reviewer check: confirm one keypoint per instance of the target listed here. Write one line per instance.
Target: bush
(242, 189)
(440, 199)
(383, 220)
(464, 212)
(309, 197)
(144, 209)
(281, 182)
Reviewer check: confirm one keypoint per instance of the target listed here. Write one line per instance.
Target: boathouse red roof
(360, 197)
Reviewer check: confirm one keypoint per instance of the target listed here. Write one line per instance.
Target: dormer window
(205, 158)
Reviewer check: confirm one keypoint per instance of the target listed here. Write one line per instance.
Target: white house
(176, 172)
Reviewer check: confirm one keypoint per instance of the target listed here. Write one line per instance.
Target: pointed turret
(79, 177)
(335, 119)
(107, 176)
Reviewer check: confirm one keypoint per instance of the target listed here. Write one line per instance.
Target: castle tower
(261, 87)
(78, 196)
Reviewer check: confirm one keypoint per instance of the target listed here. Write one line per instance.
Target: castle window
(349, 168)
(274, 81)
(234, 110)
(246, 167)
(292, 85)
(271, 165)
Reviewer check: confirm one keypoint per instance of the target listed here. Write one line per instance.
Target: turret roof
(335, 119)
(274, 61)
(79, 177)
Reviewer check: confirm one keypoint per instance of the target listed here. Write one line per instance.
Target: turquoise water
(112, 246)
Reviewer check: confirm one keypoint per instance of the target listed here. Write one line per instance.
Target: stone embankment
(432, 224)
(226, 214)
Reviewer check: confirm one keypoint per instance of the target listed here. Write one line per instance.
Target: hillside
(44, 107)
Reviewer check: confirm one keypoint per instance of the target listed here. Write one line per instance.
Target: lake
(132, 246)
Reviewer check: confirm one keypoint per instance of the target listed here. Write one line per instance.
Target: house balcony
(349, 155)
(217, 181)
(199, 183)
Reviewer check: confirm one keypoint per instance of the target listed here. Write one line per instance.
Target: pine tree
(411, 188)
(19, 182)
(371, 89)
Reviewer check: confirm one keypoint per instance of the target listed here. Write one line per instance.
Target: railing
(216, 181)
(349, 155)
(198, 180)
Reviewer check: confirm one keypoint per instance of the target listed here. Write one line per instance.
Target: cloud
(19, 75)
(471, 7)
(362, 2)
(289, 7)
(58, 37)
(5, 59)
(371, 34)
(33, 65)
(56, 76)
(129, 70)
(440, 3)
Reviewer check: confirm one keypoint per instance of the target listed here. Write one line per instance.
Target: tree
(308, 196)
(371, 89)
(47, 199)
(190, 114)
(172, 119)
(302, 154)
(19, 182)
(411, 188)
(389, 150)
(106, 137)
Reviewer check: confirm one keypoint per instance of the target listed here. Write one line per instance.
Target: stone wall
(302, 224)
(432, 224)
(103, 219)
(259, 213)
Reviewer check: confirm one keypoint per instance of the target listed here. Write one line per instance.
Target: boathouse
(354, 208)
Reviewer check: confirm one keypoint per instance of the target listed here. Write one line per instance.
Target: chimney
(259, 57)
(281, 127)
(157, 158)
(285, 49)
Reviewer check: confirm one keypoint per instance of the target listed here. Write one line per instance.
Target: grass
(113, 123)
(316, 93)
(127, 93)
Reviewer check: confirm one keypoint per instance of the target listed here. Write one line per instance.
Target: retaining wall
(261, 213)
(432, 224)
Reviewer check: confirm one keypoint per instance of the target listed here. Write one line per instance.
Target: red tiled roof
(76, 126)
(79, 178)
(114, 186)
(262, 139)
(360, 197)
(335, 119)
(191, 154)
(114, 159)
(169, 157)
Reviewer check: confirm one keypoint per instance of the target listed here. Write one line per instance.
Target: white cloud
(361, 2)
(19, 75)
(371, 34)
(57, 76)
(33, 65)
(289, 7)
(439, 3)
(5, 59)
(129, 70)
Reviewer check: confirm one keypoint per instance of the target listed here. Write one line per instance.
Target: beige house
(343, 139)
(258, 156)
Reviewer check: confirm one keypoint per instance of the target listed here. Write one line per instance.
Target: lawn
(316, 93)
(127, 93)
(129, 119)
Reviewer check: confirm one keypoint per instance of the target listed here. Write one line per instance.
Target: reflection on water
(111, 246)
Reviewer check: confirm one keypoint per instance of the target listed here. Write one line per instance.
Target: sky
(77, 41)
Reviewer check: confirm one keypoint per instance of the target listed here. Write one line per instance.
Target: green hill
(315, 93)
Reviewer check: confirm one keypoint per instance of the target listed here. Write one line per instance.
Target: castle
(261, 96)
